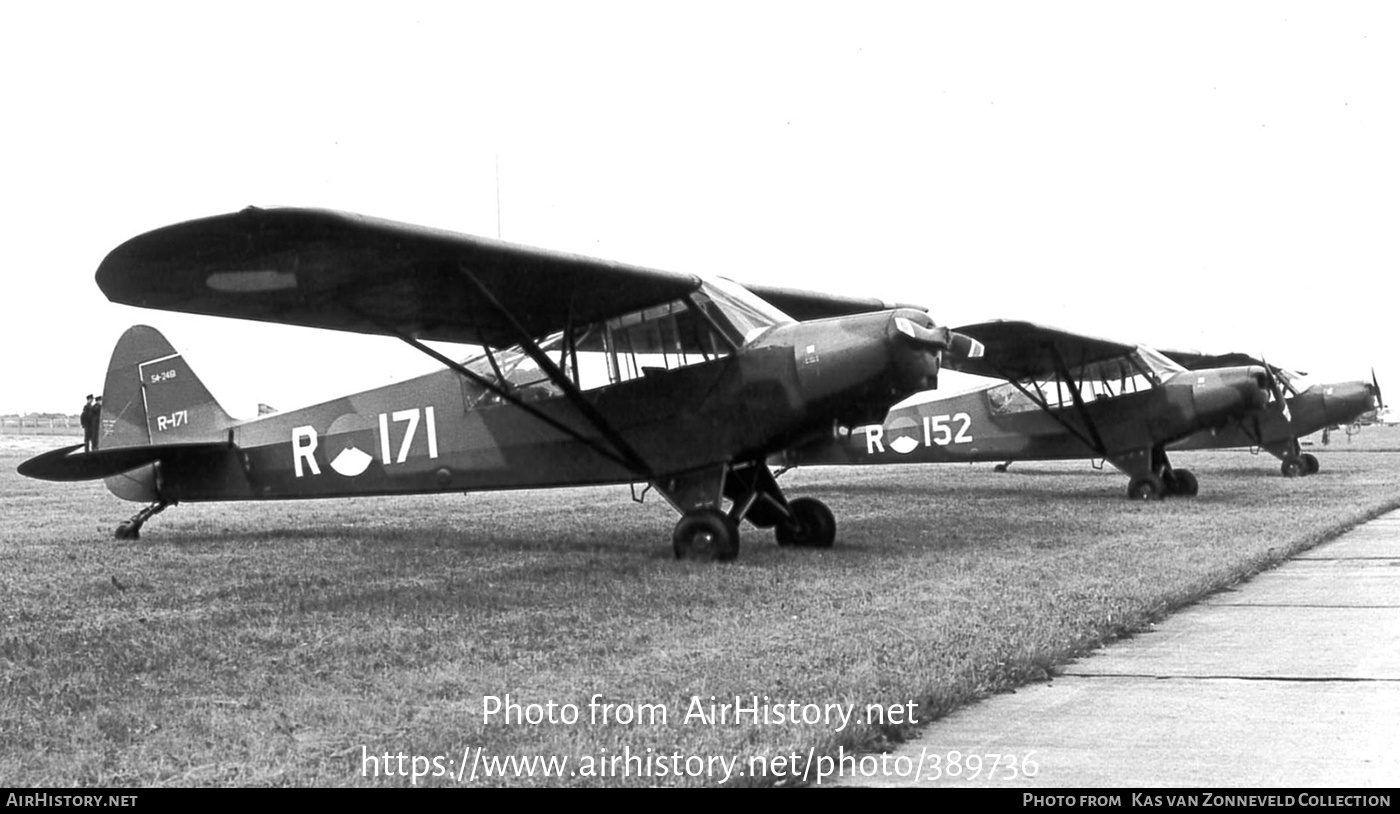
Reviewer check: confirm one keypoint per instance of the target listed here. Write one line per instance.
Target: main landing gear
(705, 532)
(131, 529)
(1296, 463)
(1159, 479)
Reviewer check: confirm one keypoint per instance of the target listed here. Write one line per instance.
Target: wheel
(1292, 467)
(128, 530)
(1000, 467)
(1310, 464)
(1146, 487)
(1186, 484)
(813, 525)
(706, 534)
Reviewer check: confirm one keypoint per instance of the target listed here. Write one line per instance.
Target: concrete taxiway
(1290, 679)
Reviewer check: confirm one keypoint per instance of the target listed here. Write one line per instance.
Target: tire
(813, 525)
(1186, 483)
(1292, 467)
(707, 535)
(1310, 464)
(1146, 487)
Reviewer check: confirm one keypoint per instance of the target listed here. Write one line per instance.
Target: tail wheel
(706, 534)
(812, 525)
(1146, 487)
(1186, 484)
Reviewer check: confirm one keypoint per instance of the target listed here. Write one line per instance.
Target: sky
(1216, 176)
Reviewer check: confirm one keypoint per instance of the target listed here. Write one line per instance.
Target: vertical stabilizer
(151, 396)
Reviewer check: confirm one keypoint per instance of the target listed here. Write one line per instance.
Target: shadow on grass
(924, 492)
(359, 538)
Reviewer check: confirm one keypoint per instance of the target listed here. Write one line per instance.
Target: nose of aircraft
(1347, 401)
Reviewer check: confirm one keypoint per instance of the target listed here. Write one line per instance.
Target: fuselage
(668, 403)
(998, 423)
(439, 432)
(1313, 409)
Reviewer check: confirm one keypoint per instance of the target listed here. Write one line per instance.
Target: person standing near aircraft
(96, 421)
(89, 427)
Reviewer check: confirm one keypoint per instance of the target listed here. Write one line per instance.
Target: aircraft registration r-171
(593, 372)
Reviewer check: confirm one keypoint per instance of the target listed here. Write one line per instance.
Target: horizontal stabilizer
(72, 464)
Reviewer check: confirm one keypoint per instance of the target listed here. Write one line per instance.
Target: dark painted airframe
(1065, 397)
(594, 372)
(1311, 408)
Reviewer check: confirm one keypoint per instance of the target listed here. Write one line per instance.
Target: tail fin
(152, 397)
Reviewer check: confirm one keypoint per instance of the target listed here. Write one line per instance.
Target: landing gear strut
(131, 529)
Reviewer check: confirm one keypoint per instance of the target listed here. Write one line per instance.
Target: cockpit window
(1109, 378)
(708, 324)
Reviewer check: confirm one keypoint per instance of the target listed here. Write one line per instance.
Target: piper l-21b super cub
(1310, 408)
(1066, 396)
(594, 372)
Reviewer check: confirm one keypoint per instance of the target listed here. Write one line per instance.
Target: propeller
(940, 339)
(1376, 389)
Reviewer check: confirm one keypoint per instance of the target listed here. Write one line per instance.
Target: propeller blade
(964, 346)
(940, 339)
(935, 339)
(1376, 388)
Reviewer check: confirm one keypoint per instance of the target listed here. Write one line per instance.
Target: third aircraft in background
(1310, 409)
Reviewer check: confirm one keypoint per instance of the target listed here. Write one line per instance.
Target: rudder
(152, 397)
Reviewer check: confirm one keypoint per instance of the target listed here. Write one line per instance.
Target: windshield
(750, 315)
(1161, 366)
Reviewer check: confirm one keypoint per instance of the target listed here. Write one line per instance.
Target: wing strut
(1093, 441)
(629, 456)
(1062, 370)
(508, 396)
(505, 394)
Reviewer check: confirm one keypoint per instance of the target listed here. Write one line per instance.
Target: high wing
(1017, 350)
(808, 305)
(1194, 360)
(347, 272)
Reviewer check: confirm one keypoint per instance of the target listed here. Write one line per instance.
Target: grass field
(282, 643)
